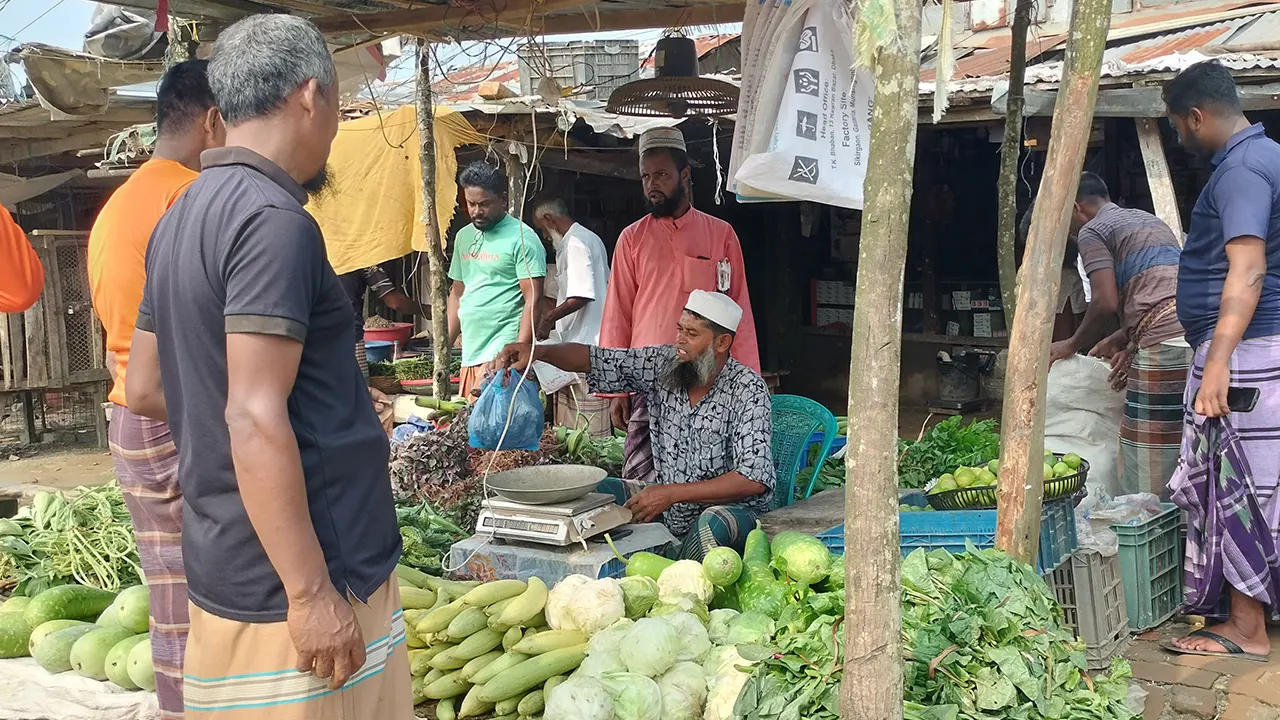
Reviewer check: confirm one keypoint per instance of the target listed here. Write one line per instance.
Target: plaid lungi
(1151, 430)
(637, 464)
(1227, 481)
(146, 464)
(717, 526)
(248, 671)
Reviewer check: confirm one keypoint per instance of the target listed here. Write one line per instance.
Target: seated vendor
(712, 424)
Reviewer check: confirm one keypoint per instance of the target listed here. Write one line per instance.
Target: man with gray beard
(244, 344)
(711, 424)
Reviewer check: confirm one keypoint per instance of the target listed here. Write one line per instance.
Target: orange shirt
(23, 276)
(657, 263)
(118, 251)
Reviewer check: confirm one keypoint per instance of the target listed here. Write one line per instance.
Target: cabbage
(718, 625)
(694, 642)
(639, 593)
(604, 654)
(650, 647)
(557, 607)
(724, 685)
(682, 605)
(579, 698)
(689, 678)
(580, 603)
(750, 628)
(677, 705)
(635, 697)
(685, 579)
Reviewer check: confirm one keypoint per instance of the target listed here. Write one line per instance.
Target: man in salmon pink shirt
(659, 260)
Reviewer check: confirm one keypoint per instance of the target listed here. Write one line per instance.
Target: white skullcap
(662, 138)
(716, 307)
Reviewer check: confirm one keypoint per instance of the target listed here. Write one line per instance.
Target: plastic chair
(795, 420)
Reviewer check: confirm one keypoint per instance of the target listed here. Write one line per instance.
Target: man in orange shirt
(659, 260)
(23, 278)
(146, 461)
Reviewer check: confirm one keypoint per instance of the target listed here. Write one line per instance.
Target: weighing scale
(549, 505)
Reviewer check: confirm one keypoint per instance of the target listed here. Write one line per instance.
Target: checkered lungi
(1151, 430)
(638, 450)
(249, 671)
(146, 464)
(717, 526)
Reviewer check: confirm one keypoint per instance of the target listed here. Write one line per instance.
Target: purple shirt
(1241, 199)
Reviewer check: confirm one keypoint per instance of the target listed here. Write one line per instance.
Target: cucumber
(416, 577)
(488, 672)
(53, 652)
(495, 591)
(445, 710)
(531, 673)
(117, 666)
(531, 704)
(511, 637)
(474, 665)
(467, 623)
(15, 635)
(140, 670)
(415, 688)
(15, 604)
(412, 598)
(67, 602)
(451, 685)
(550, 640)
(49, 628)
(478, 644)
(448, 660)
(89, 653)
(508, 706)
(472, 706)
(525, 606)
(439, 619)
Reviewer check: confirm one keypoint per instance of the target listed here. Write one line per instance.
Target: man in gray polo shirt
(289, 535)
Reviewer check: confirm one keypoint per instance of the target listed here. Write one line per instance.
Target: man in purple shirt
(1228, 301)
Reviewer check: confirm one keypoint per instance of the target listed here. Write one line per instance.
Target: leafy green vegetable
(426, 536)
(578, 447)
(949, 445)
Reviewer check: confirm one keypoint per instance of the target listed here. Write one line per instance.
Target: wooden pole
(1022, 424)
(1159, 181)
(437, 267)
(515, 178)
(871, 685)
(1010, 154)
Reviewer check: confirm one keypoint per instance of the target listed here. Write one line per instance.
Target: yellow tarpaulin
(374, 208)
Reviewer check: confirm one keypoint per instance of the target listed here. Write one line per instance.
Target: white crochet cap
(661, 138)
(716, 307)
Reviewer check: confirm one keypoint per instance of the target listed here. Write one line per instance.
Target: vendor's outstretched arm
(571, 357)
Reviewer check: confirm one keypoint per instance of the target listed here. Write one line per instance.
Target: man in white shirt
(581, 282)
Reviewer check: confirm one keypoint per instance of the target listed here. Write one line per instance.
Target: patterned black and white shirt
(731, 429)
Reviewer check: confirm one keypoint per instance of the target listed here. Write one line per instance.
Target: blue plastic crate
(816, 439)
(949, 529)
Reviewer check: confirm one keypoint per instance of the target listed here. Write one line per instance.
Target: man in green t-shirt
(497, 271)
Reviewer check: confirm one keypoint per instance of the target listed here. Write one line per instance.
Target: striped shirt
(1143, 252)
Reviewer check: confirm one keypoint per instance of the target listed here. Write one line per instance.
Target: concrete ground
(1191, 687)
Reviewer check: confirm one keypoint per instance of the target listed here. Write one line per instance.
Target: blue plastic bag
(501, 395)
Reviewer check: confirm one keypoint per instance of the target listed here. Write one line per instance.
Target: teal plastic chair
(795, 420)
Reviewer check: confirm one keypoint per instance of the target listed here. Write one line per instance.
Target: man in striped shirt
(1131, 257)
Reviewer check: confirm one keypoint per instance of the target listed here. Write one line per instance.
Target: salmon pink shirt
(657, 263)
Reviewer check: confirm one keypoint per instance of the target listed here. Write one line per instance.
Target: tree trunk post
(437, 267)
(871, 686)
(1010, 154)
(1021, 491)
(515, 177)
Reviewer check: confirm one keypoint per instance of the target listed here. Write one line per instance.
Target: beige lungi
(248, 671)
(575, 407)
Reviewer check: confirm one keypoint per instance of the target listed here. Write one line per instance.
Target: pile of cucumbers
(98, 634)
(484, 649)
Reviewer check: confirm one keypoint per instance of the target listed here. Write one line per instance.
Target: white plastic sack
(1082, 415)
(808, 136)
(27, 692)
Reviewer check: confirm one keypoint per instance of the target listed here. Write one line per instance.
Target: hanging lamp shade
(676, 90)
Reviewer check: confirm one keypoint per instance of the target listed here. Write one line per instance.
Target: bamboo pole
(1022, 424)
(1010, 154)
(438, 270)
(871, 685)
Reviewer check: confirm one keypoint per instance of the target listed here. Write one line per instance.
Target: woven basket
(386, 384)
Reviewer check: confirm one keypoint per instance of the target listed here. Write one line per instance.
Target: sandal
(1232, 650)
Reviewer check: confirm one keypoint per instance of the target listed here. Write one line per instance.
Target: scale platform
(558, 524)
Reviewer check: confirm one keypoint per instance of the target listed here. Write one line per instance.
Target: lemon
(945, 483)
(986, 478)
(965, 477)
(1062, 470)
(994, 467)
(1048, 471)
(1072, 460)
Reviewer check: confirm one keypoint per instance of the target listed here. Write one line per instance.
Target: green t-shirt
(491, 264)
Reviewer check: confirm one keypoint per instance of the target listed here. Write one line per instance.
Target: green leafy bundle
(830, 475)
(426, 535)
(949, 445)
(983, 640)
(83, 537)
(797, 676)
(578, 447)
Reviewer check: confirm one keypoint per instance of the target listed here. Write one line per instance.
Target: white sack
(1082, 415)
(28, 692)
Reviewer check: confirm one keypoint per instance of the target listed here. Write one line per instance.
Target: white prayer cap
(716, 307)
(661, 138)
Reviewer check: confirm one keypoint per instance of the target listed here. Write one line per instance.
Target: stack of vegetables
(84, 537)
(949, 445)
(98, 634)
(426, 536)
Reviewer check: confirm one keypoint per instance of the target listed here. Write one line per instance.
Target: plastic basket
(949, 529)
(984, 498)
(1090, 590)
(1151, 567)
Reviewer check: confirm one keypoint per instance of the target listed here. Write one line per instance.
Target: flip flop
(1232, 650)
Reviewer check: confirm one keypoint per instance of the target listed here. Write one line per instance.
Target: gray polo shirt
(239, 254)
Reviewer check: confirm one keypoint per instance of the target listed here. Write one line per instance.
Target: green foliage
(949, 445)
(426, 535)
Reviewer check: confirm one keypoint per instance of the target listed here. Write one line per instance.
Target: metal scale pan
(546, 484)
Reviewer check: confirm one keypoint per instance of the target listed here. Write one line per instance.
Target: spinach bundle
(949, 445)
